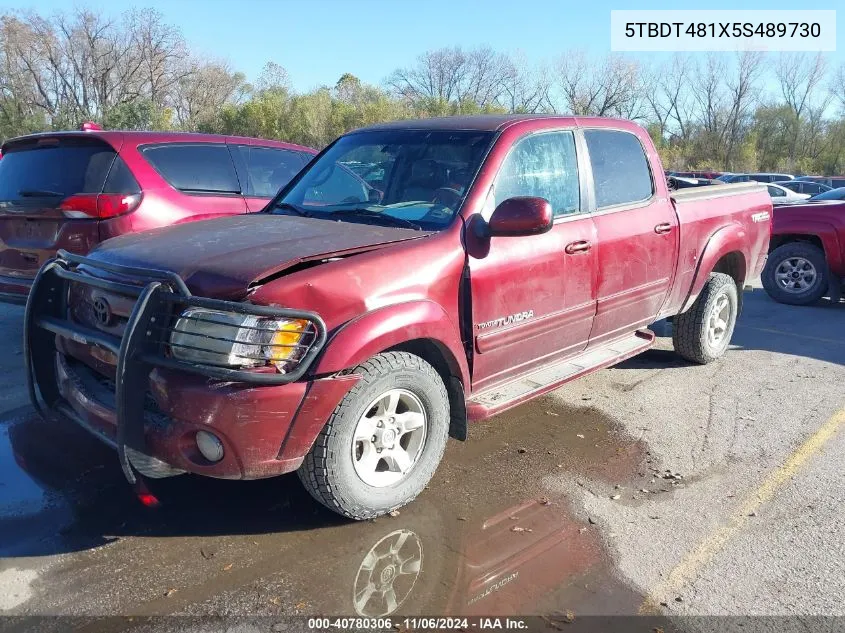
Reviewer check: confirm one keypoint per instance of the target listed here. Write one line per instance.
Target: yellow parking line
(687, 569)
(791, 334)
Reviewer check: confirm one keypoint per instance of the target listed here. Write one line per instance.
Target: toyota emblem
(102, 311)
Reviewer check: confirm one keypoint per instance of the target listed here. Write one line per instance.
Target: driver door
(534, 298)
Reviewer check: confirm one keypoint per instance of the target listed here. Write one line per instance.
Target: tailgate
(38, 176)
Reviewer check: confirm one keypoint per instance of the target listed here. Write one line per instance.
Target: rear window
(120, 179)
(620, 169)
(53, 168)
(271, 169)
(195, 168)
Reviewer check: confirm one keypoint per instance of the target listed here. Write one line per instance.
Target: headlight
(214, 337)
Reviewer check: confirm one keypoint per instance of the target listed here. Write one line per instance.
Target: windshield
(414, 178)
(831, 194)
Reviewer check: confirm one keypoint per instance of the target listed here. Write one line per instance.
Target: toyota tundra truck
(415, 277)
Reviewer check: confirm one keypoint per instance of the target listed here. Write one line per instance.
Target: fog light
(210, 446)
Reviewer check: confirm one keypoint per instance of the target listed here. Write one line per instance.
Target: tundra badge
(508, 320)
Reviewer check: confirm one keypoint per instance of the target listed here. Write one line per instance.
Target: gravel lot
(653, 487)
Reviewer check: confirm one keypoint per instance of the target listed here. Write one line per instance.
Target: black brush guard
(140, 349)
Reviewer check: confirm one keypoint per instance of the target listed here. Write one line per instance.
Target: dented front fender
(389, 327)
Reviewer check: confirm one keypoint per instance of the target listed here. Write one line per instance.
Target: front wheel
(796, 274)
(702, 333)
(384, 440)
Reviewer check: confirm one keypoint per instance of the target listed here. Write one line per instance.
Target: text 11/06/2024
(432, 623)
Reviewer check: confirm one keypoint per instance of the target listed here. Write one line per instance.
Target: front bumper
(153, 408)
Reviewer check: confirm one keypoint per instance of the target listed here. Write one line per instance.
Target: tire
(789, 257)
(333, 471)
(691, 331)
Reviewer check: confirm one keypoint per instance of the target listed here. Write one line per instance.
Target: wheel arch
(820, 234)
(444, 362)
(422, 328)
(725, 252)
(779, 240)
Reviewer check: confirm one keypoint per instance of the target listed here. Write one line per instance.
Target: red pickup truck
(807, 253)
(415, 276)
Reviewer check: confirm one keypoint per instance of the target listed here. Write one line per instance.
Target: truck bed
(705, 214)
(715, 191)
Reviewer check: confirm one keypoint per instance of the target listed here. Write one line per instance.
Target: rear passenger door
(637, 235)
(263, 171)
(203, 173)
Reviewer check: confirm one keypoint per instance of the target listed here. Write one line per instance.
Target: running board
(503, 397)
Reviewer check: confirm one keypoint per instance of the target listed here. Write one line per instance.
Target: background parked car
(709, 175)
(72, 190)
(770, 177)
(806, 253)
(831, 194)
(782, 195)
(734, 178)
(833, 182)
(680, 182)
(803, 186)
(760, 177)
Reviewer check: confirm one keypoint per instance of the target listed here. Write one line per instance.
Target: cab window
(542, 166)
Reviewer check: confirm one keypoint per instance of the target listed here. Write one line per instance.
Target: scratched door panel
(532, 301)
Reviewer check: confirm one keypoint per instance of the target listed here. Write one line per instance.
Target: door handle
(581, 246)
(660, 229)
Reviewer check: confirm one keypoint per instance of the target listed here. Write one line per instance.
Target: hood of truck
(224, 257)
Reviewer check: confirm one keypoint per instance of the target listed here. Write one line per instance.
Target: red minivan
(72, 190)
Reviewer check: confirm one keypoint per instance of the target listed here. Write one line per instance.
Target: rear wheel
(796, 274)
(384, 440)
(702, 333)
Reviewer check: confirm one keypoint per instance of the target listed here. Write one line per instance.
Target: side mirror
(520, 216)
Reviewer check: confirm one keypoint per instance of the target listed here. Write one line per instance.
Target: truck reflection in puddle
(512, 562)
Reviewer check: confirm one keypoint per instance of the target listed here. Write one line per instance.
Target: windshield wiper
(377, 215)
(287, 206)
(40, 193)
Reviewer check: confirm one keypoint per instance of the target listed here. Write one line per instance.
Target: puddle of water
(52, 476)
(28, 508)
(20, 495)
(486, 537)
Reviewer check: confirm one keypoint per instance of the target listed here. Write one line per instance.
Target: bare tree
(666, 90)
(523, 88)
(451, 76)
(84, 64)
(743, 93)
(837, 86)
(273, 77)
(204, 89)
(800, 76)
(610, 87)
(161, 50)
